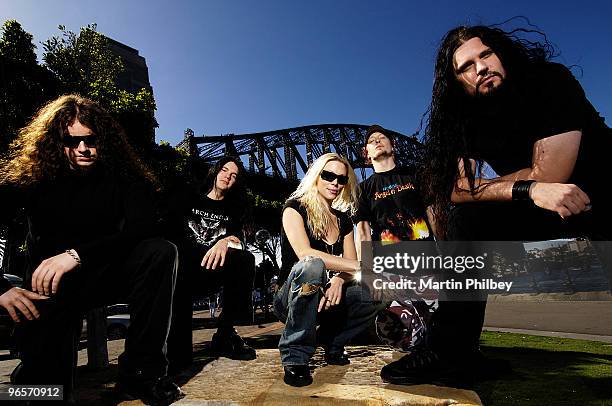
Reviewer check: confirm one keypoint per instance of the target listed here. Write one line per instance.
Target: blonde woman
(317, 236)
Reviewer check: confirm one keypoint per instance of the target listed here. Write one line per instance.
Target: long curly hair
(37, 154)
(451, 111)
(319, 218)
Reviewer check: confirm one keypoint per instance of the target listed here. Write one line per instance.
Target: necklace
(327, 246)
(330, 251)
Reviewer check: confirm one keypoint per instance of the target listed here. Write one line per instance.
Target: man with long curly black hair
(498, 99)
(91, 242)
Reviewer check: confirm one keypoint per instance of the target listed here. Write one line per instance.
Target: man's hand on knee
(46, 278)
(215, 256)
(17, 300)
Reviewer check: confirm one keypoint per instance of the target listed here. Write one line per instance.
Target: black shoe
(420, 367)
(17, 375)
(157, 392)
(297, 375)
(231, 346)
(337, 358)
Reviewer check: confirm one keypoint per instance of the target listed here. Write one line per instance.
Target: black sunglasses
(91, 141)
(330, 176)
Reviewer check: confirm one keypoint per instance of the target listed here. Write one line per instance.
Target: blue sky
(229, 66)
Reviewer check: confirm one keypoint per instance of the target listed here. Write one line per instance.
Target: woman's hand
(333, 294)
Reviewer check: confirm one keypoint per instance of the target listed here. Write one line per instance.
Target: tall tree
(85, 64)
(24, 85)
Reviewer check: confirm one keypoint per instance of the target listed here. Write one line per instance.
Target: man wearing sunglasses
(86, 196)
(80, 146)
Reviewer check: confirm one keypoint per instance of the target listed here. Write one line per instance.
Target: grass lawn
(548, 371)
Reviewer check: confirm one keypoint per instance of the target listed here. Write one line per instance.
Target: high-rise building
(136, 73)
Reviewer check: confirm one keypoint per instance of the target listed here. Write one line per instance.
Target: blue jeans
(296, 304)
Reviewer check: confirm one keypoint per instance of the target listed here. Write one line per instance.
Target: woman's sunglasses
(91, 141)
(330, 176)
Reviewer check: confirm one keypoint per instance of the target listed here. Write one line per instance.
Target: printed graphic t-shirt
(288, 256)
(210, 220)
(391, 203)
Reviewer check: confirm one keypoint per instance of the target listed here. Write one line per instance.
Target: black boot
(230, 345)
(337, 358)
(152, 390)
(297, 375)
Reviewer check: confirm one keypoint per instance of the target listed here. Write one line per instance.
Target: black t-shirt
(549, 102)
(194, 220)
(99, 215)
(289, 258)
(210, 220)
(391, 203)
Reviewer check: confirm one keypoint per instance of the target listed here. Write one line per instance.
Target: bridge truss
(288, 152)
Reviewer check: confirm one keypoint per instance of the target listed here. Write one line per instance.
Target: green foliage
(16, 45)
(85, 64)
(259, 202)
(24, 85)
(172, 165)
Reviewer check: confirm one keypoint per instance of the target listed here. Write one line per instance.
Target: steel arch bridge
(285, 153)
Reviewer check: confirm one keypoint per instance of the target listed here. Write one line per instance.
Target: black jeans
(236, 277)
(145, 280)
(457, 324)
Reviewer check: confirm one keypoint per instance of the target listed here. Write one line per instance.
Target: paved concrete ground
(554, 313)
(222, 381)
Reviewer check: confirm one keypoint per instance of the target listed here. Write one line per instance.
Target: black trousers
(145, 280)
(236, 278)
(457, 324)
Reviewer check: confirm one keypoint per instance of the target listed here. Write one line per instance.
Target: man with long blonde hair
(91, 223)
(317, 237)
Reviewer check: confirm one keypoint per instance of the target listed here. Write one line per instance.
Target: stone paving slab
(260, 382)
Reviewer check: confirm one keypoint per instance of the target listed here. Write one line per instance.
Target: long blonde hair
(319, 218)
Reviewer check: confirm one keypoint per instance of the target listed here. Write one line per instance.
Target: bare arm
(349, 252)
(333, 294)
(432, 220)
(295, 230)
(364, 233)
(553, 163)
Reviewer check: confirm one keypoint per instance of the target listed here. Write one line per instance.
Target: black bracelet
(520, 189)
